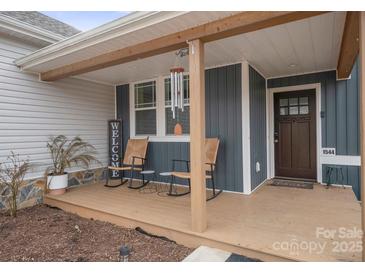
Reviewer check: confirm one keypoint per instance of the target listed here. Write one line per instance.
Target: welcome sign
(115, 147)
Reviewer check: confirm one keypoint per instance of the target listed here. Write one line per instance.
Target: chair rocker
(134, 161)
(211, 150)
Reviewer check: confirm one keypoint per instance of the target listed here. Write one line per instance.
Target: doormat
(291, 183)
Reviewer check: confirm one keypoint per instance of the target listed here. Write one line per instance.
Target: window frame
(289, 105)
(154, 97)
(160, 107)
(133, 109)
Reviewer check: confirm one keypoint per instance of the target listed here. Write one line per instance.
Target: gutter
(114, 29)
(14, 25)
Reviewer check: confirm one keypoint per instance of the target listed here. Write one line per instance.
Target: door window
(294, 106)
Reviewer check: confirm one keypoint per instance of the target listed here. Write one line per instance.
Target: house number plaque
(329, 151)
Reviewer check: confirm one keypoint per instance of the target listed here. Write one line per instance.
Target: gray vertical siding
(328, 88)
(223, 120)
(340, 104)
(340, 124)
(161, 154)
(348, 114)
(123, 110)
(257, 91)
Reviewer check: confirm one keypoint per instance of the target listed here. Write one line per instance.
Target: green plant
(67, 152)
(12, 174)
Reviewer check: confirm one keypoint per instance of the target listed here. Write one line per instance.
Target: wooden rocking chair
(133, 161)
(211, 151)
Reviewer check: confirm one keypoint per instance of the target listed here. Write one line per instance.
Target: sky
(85, 20)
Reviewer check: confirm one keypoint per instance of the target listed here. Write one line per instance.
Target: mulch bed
(41, 233)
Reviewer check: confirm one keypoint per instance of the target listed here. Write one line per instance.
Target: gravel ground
(41, 233)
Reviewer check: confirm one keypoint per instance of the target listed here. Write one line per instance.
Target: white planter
(57, 184)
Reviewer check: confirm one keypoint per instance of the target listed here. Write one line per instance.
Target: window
(303, 105)
(284, 106)
(151, 115)
(145, 108)
(183, 117)
(294, 106)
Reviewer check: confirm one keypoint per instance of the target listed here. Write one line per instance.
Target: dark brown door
(295, 134)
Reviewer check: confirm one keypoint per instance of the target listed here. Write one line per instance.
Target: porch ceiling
(303, 46)
(299, 47)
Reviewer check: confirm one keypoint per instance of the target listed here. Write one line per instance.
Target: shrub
(12, 174)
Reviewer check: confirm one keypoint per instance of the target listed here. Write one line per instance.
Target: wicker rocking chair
(133, 161)
(211, 151)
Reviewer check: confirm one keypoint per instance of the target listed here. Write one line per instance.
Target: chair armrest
(122, 165)
(212, 165)
(137, 157)
(144, 159)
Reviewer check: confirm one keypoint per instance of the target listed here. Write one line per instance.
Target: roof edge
(118, 27)
(12, 24)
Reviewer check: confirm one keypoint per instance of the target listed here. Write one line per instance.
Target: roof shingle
(42, 21)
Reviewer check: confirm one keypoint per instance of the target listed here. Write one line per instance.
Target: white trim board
(270, 111)
(301, 73)
(268, 159)
(246, 144)
(343, 160)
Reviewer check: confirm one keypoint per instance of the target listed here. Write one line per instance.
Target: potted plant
(66, 153)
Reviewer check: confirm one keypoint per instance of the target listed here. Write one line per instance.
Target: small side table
(148, 188)
(336, 171)
(164, 188)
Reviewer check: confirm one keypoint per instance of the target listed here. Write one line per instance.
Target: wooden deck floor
(252, 225)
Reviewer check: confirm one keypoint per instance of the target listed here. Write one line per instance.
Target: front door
(295, 134)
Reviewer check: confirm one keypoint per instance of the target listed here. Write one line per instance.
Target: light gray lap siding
(223, 120)
(31, 111)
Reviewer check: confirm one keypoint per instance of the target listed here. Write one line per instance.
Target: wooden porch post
(362, 123)
(197, 135)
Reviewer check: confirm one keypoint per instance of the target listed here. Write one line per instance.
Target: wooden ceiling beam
(349, 45)
(242, 22)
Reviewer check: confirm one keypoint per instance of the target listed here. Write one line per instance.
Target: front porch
(249, 225)
(236, 63)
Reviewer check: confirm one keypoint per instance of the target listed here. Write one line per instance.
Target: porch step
(209, 254)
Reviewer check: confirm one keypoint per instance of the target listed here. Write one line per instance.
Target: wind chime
(177, 90)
